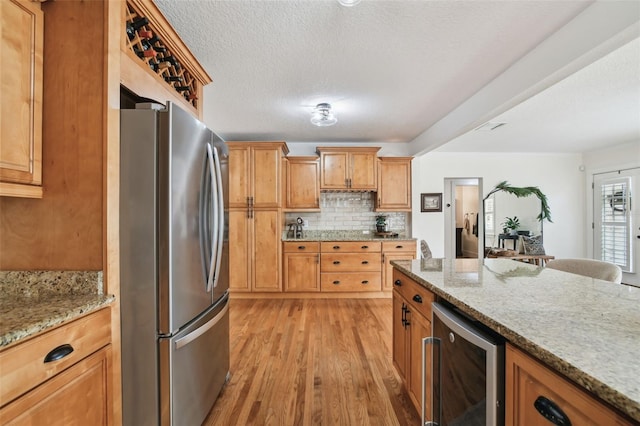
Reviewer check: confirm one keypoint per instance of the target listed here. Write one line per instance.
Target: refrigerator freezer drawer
(194, 367)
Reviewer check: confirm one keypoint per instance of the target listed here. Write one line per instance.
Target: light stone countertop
(344, 236)
(586, 329)
(34, 301)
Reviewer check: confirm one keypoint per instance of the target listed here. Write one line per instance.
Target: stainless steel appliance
(174, 272)
(467, 371)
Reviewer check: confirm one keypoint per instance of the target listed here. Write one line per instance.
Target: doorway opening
(464, 230)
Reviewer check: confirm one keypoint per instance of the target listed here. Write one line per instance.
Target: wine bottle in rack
(172, 78)
(145, 34)
(134, 26)
(182, 88)
(145, 52)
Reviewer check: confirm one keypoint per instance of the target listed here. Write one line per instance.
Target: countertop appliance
(174, 272)
(468, 370)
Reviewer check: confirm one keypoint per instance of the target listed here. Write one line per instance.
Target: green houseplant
(526, 191)
(381, 223)
(511, 224)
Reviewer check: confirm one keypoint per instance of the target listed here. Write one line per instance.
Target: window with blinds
(615, 222)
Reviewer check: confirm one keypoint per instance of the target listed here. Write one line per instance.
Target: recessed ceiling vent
(488, 126)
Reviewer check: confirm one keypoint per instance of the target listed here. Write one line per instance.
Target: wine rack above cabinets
(160, 51)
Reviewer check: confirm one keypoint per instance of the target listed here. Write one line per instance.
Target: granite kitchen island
(585, 329)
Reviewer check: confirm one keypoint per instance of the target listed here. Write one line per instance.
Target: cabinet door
(333, 170)
(301, 272)
(387, 267)
(21, 79)
(303, 184)
(394, 184)
(419, 328)
(80, 395)
(527, 380)
(400, 341)
(239, 177)
(266, 164)
(363, 170)
(239, 246)
(266, 250)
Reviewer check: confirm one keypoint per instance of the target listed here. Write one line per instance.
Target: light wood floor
(312, 362)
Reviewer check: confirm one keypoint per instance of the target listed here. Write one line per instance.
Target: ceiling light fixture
(349, 3)
(322, 115)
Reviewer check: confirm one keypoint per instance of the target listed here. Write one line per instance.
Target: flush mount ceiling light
(322, 115)
(349, 3)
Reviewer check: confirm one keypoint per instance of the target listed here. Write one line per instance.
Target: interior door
(617, 221)
(463, 227)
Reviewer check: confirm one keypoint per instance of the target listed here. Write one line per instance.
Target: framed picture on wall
(431, 202)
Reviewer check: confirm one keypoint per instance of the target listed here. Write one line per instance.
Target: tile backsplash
(349, 211)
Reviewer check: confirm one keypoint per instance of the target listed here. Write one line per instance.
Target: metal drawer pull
(417, 298)
(336, 282)
(58, 353)
(301, 247)
(336, 262)
(399, 247)
(365, 262)
(398, 283)
(550, 411)
(364, 247)
(365, 282)
(336, 247)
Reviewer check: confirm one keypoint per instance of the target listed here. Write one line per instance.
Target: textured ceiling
(391, 69)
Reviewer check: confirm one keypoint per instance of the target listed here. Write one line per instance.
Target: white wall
(557, 175)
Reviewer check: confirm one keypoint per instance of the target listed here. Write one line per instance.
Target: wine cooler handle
(435, 370)
(550, 411)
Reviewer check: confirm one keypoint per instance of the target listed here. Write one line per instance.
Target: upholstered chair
(588, 268)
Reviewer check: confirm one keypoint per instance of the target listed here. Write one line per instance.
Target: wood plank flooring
(312, 362)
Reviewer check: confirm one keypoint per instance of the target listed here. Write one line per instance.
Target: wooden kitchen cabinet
(21, 77)
(303, 184)
(394, 184)
(254, 250)
(412, 323)
(75, 389)
(395, 250)
(255, 174)
(529, 382)
(301, 266)
(350, 266)
(348, 168)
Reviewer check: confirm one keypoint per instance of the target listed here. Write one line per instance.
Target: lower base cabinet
(60, 377)
(301, 266)
(531, 386)
(412, 323)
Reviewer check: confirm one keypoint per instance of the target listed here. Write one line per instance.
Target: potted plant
(381, 223)
(511, 224)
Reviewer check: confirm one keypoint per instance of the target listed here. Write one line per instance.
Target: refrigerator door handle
(184, 341)
(214, 199)
(219, 230)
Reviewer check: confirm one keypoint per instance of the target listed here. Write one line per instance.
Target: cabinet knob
(336, 247)
(399, 247)
(550, 411)
(336, 282)
(398, 283)
(58, 353)
(365, 282)
(301, 247)
(365, 262)
(336, 262)
(417, 298)
(364, 247)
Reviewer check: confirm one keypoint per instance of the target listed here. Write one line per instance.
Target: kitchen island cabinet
(558, 345)
(348, 168)
(21, 78)
(393, 251)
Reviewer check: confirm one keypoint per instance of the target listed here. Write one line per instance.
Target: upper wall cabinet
(394, 184)
(155, 63)
(348, 168)
(21, 79)
(303, 184)
(255, 174)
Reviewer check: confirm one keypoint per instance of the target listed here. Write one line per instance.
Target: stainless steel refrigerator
(174, 272)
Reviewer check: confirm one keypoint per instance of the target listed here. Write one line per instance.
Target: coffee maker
(295, 229)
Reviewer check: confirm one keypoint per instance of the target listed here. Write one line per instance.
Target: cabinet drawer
(301, 247)
(350, 262)
(399, 246)
(350, 282)
(350, 246)
(24, 366)
(418, 297)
